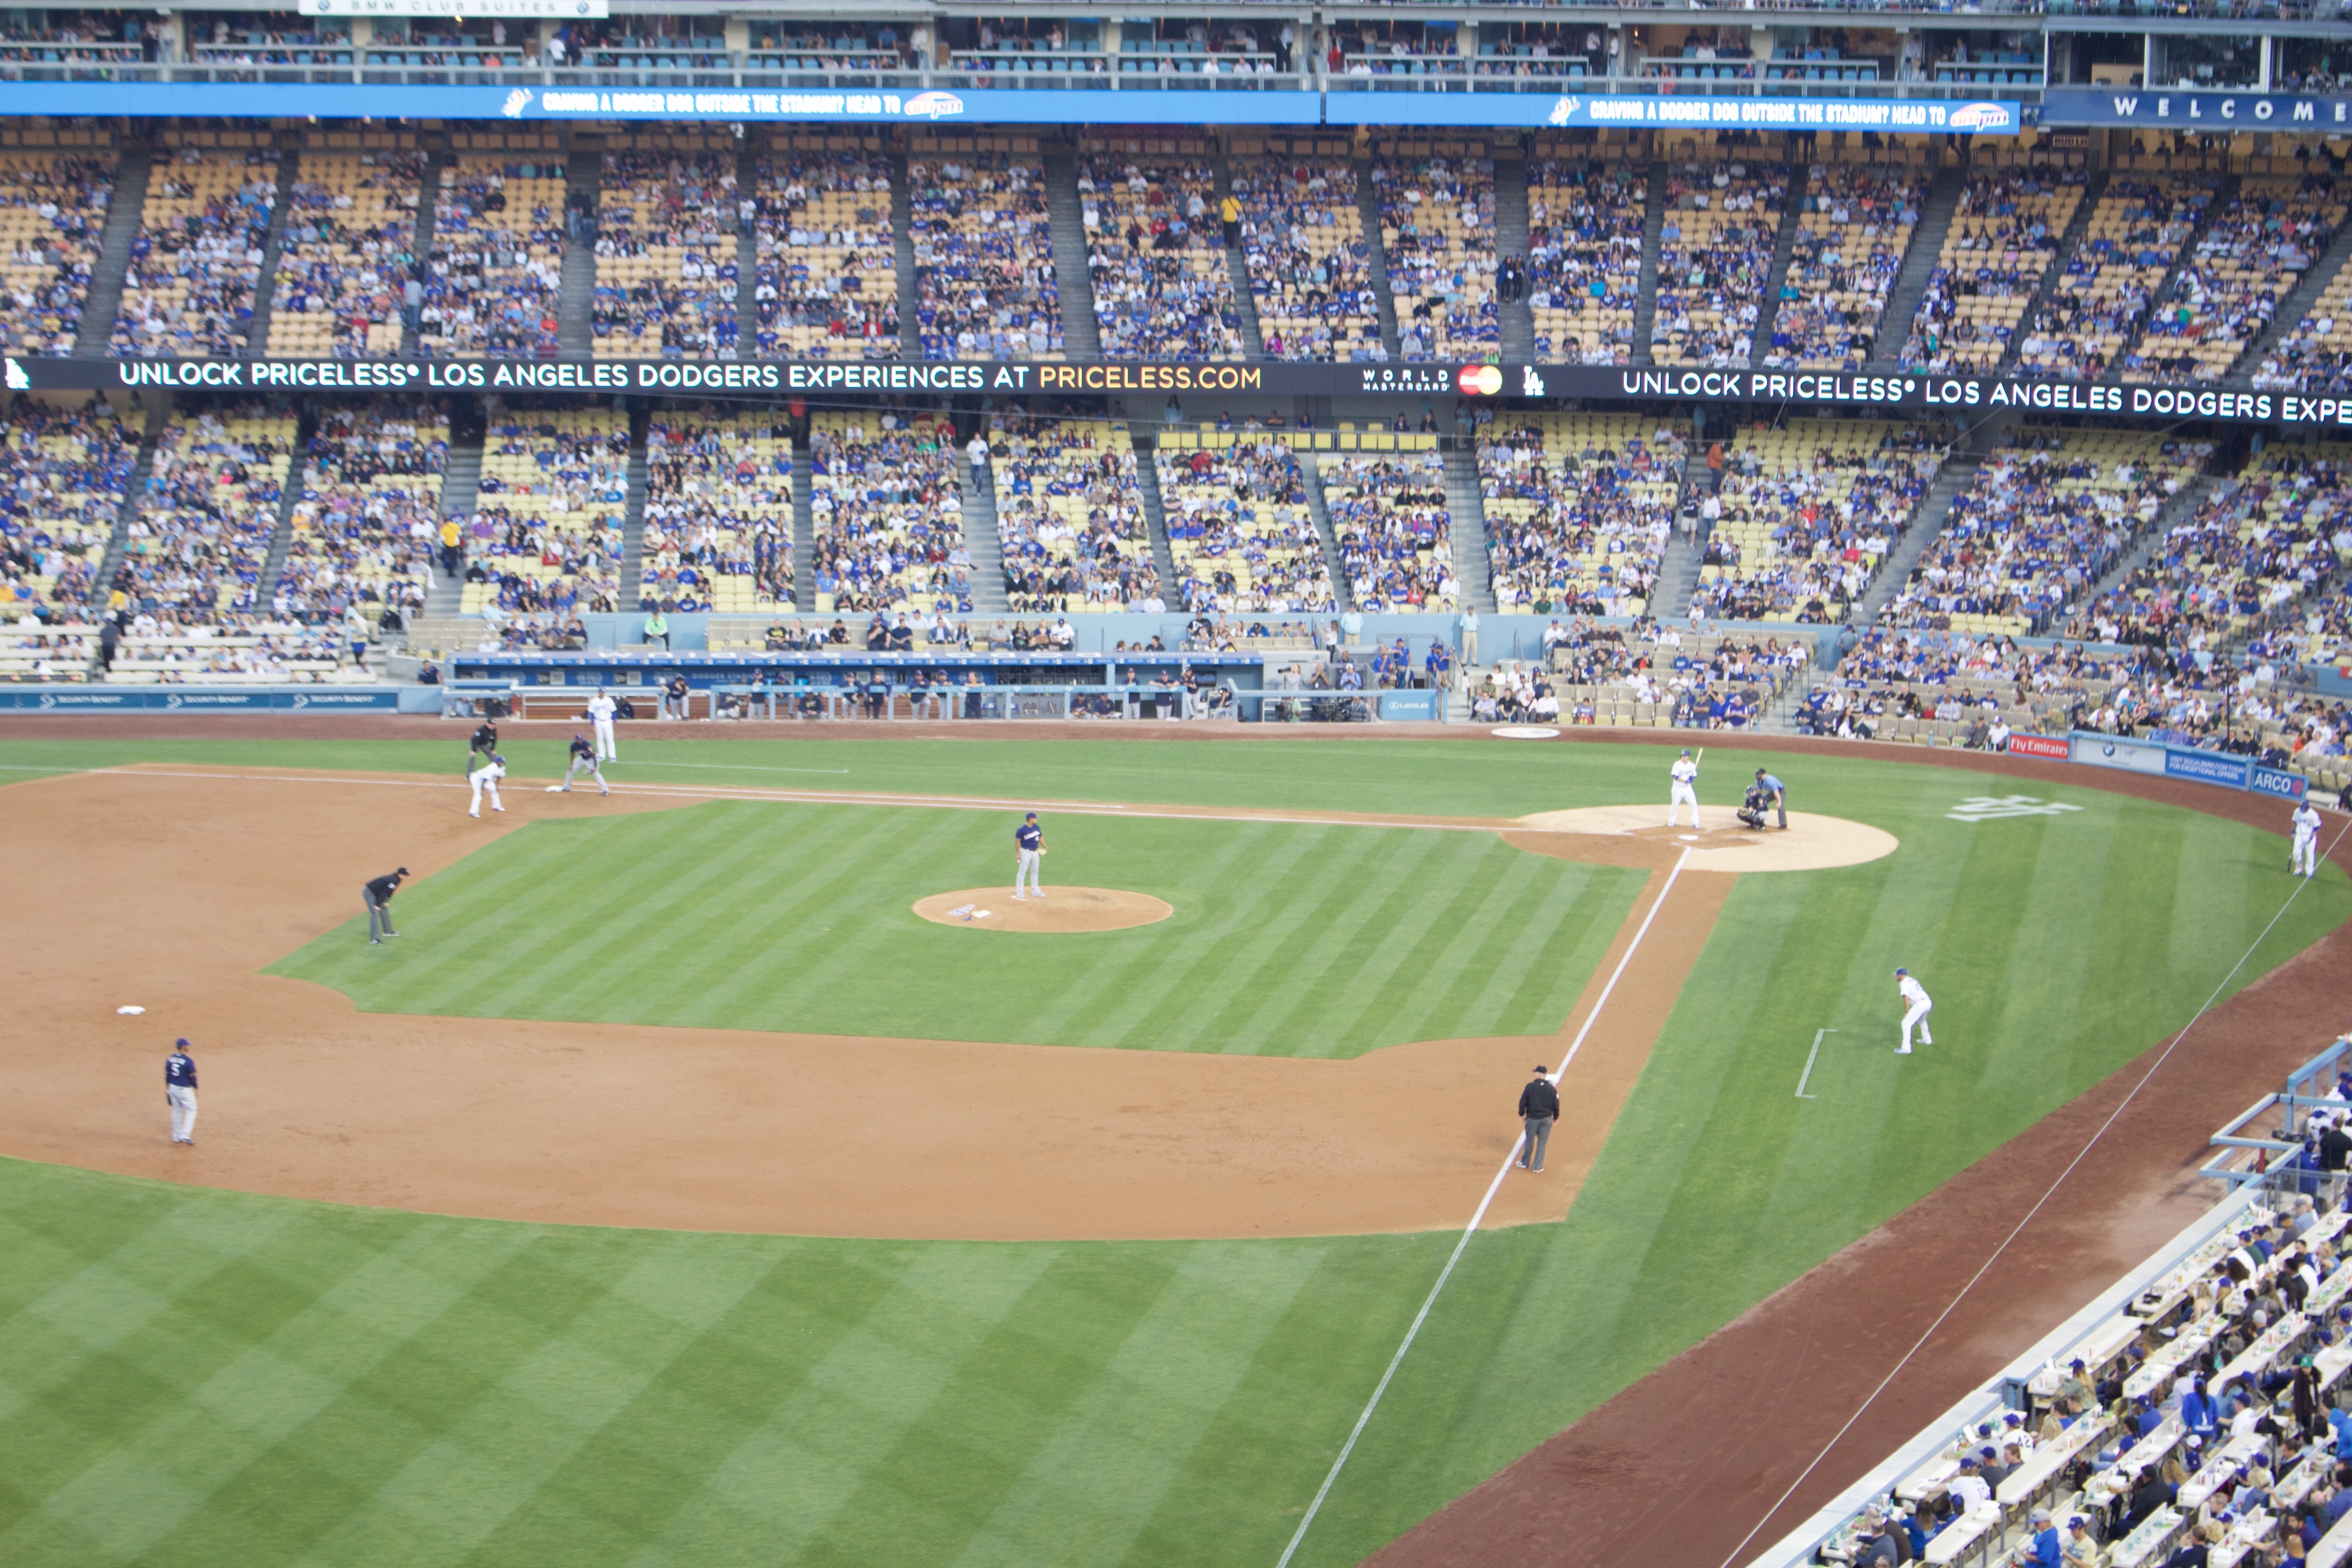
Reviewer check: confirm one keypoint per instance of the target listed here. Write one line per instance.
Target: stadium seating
(1309, 267)
(889, 516)
(349, 250)
(2249, 260)
(199, 536)
(1714, 258)
(828, 268)
(1578, 508)
(1156, 258)
(1650, 674)
(1238, 525)
(2255, 548)
(719, 513)
(1395, 534)
(158, 651)
(2103, 297)
(1584, 259)
(1853, 232)
(197, 255)
(1069, 516)
(2314, 353)
(984, 283)
(52, 215)
(666, 264)
(2038, 523)
(498, 258)
(2003, 237)
(63, 474)
(545, 537)
(1438, 232)
(368, 524)
(45, 654)
(1810, 510)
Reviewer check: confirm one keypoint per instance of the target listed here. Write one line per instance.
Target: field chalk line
(1471, 1229)
(2039, 1203)
(1809, 1063)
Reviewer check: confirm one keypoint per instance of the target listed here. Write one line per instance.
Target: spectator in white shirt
(1969, 1486)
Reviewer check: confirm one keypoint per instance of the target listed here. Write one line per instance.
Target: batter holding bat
(1029, 848)
(1685, 790)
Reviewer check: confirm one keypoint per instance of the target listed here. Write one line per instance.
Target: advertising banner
(2051, 746)
(2100, 752)
(1369, 105)
(191, 699)
(2207, 767)
(2110, 106)
(2278, 781)
(1060, 378)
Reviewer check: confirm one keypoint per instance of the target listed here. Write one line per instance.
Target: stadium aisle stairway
(805, 513)
(273, 566)
(1517, 322)
(1155, 519)
(902, 231)
(265, 292)
(1071, 277)
(1654, 224)
(1952, 482)
(1237, 268)
(584, 178)
(1927, 250)
(1368, 206)
(1321, 513)
(632, 520)
(1465, 508)
(105, 297)
(158, 412)
(1784, 248)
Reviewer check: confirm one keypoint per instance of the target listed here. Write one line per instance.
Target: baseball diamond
(1458, 785)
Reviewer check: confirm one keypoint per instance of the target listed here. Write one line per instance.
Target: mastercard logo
(1480, 380)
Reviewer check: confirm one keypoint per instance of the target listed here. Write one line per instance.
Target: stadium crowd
(1807, 512)
(1161, 285)
(1239, 528)
(1438, 232)
(1069, 514)
(828, 260)
(1714, 257)
(2004, 236)
(889, 516)
(1309, 264)
(53, 210)
(364, 533)
(984, 283)
(63, 476)
(1579, 508)
(666, 273)
(196, 258)
(1584, 259)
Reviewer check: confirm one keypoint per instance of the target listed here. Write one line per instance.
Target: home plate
(131, 1012)
(1689, 837)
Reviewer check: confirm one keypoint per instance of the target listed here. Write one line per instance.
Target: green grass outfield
(212, 1379)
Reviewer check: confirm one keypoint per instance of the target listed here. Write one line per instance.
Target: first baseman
(2306, 839)
(487, 770)
(600, 708)
(180, 1093)
(584, 758)
(1685, 790)
(1029, 849)
(1916, 1008)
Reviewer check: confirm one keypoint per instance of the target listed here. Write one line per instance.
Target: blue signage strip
(1664, 112)
(197, 700)
(348, 100)
(2196, 111)
(2206, 767)
(2278, 781)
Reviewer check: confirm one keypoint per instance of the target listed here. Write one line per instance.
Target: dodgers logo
(17, 380)
(1979, 117)
(934, 104)
(1565, 110)
(517, 101)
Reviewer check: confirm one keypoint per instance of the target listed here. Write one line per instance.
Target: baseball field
(669, 1192)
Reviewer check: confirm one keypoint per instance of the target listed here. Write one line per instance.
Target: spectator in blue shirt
(2199, 1412)
(2046, 1553)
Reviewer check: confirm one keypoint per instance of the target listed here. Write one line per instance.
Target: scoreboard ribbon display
(830, 378)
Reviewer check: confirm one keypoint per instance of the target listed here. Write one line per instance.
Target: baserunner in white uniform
(2306, 839)
(484, 774)
(1685, 791)
(600, 708)
(1916, 1008)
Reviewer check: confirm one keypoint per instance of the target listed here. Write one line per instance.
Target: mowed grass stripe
(1157, 1395)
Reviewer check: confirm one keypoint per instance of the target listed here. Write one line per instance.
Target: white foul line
(1472, 1228)
(1809, 1063)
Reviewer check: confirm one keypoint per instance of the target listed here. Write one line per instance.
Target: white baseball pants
(184, 1112)
(1683, 794)
(605, 750)
(483, 782)
(1026, 871)
(1918, 1016)
(2307, 854)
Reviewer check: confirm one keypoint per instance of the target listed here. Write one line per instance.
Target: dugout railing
(885, 702)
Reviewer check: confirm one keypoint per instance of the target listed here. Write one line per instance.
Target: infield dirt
(170, 889)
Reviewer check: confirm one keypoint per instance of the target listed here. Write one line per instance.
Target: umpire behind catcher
(1539, 1108)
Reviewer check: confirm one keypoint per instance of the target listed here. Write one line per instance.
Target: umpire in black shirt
(377, 895)
(1539, 1107)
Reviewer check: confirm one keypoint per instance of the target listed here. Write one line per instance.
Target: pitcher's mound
(1061, 909)
(1618, 835)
